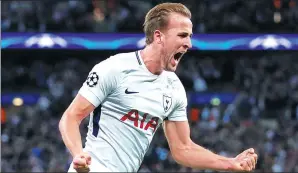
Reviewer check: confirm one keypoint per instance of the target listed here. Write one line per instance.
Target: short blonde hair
(157, 17)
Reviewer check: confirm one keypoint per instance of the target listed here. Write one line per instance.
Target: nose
(187, 44)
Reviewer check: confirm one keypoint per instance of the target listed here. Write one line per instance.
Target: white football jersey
(131, 103)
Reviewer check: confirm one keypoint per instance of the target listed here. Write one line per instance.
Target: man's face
(176, 40)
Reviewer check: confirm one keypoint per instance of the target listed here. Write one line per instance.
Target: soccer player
(130, 95)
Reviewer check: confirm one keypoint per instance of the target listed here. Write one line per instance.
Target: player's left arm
(189, 154)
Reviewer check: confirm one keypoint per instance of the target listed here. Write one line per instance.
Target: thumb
(238, 166)
(79, 161)
(251, 151)
(88, 159)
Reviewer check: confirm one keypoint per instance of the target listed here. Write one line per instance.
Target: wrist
(76, 153)
(227, 164)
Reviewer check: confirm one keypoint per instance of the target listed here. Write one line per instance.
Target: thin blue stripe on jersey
(96, 118)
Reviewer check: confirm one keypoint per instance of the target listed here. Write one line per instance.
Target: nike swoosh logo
(130, 92)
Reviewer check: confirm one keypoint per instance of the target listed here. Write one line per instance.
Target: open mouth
(178, 55)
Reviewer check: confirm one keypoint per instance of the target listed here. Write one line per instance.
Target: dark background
(264, 114)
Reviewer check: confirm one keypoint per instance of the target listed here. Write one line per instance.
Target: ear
(158, 36)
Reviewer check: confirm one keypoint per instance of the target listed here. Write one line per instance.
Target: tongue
(173, 61)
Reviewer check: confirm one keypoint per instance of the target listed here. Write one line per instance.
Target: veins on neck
(152, 60)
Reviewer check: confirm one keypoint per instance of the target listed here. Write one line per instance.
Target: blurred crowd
(263, 116)
(128, 15)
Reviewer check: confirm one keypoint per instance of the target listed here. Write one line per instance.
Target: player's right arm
(69, 124)
(102, 81)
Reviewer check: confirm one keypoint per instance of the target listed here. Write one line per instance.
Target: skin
(158, 56)
(176, 37)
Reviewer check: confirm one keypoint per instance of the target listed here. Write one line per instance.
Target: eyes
(184, 35)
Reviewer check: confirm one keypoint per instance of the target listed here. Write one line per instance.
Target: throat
(151, 61)
(153, 67)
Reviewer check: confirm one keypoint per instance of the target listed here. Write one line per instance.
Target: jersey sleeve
(180, 111)
(101, 81)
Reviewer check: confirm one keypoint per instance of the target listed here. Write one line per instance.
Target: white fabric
(122, 141)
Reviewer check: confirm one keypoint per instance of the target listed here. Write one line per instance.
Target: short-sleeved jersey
(131, 103)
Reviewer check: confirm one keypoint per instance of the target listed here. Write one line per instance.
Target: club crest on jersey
(92, 79)
(167, 102)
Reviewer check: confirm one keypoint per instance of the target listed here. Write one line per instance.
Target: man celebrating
(130, 95)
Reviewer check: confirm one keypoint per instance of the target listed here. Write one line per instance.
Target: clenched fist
(81, 162)
(245, 161)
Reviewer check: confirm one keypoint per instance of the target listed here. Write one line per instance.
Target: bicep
(178, 135)
(79, 109)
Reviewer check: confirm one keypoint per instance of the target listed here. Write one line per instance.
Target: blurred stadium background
(239, 95)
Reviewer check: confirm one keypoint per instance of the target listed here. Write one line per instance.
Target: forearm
(198, 157)
(70, 132)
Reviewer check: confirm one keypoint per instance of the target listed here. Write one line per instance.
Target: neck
(152, 59)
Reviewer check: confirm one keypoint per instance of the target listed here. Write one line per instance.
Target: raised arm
(189, 154)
